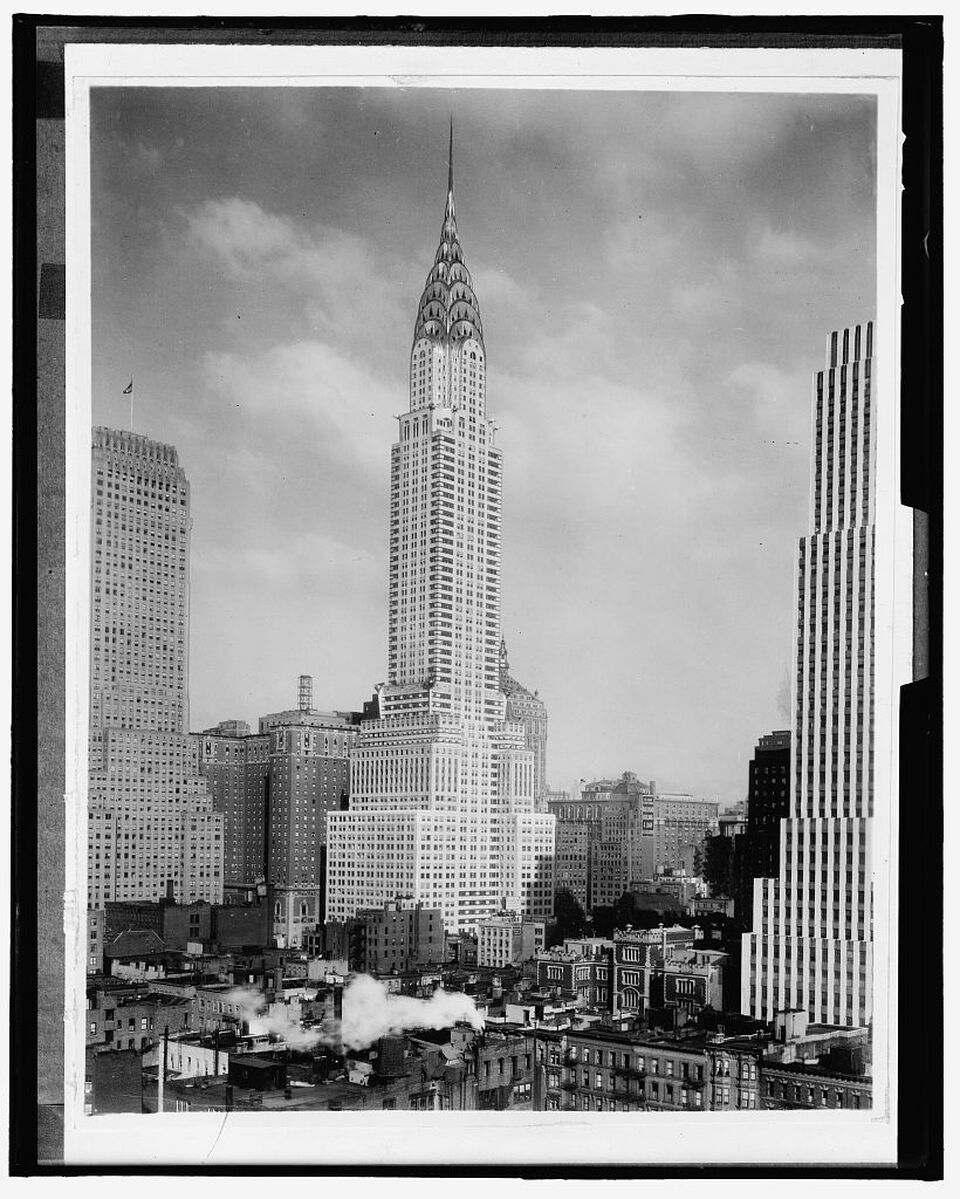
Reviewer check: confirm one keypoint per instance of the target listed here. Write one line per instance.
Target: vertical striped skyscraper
(812, 942)
(151, 823)
(441, 785)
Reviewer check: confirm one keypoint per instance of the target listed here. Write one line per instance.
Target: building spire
(450, 168)
(449, 212)
(448, 307)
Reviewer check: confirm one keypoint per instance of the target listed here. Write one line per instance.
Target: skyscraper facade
(812, 942)
(527, 708)
(605, 839)
(236, 765)
(150, 816)
(442, 785)
(682, 825)
(274, 788)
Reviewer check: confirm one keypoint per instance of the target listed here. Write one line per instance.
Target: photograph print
(484, 587)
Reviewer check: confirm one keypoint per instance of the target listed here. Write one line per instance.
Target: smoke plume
(277, 1022)
(370, 1012)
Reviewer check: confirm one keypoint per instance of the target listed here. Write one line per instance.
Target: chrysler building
(442, 796)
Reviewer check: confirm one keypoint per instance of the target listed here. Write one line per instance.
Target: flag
(128, 390)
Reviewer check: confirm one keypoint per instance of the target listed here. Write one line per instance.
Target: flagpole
(128, 390)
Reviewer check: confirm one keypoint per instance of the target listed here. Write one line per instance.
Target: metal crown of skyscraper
(448, 309)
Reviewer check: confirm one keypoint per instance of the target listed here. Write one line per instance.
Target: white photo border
(459, 1139)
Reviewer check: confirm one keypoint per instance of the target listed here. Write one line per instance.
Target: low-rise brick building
(809, 1085)
(508, 939)
(604, 1070)
(581, 967)
(398, 937)
(134, 1018)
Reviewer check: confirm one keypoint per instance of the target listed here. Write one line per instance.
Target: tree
(717, 865)
(625, 911)
(569, 917)
(602, 921)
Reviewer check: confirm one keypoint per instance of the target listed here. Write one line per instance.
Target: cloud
(244, 237)
(777, 399)
(784, 247)
(147, 159)
(314, 565)
(347, 290)
(311, 385)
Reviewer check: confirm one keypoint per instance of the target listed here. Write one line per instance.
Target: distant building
(605, 839)
(113, 1082)
(691, 980)
(133, 1017)
(733, 822)
(639, 957)
(682, 825)
(151, 821)
(809, 1085)
(816, 1066)
(505, 1071)
(400, 936)
(757, 854)
(462, 949)
(236, 766)
(573, 856)
(582, 967)
(275, 788)
(508, 939)
(309, 777)
(526, 708)
(232, 925)
(598, 1070)
(710, 905)
(95, 931)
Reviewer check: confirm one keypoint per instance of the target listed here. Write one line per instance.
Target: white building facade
(151, 822)
(812, 942)
(441, 785)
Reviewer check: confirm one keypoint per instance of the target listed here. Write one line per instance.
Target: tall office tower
(605, 839)
(236, 765)
(756, 849)
(812, 942)
(527, 708)
(682, 825)
(150, 816)
(275, 788)
(442, 785)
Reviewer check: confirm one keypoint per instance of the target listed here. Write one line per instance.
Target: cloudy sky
(656, 274)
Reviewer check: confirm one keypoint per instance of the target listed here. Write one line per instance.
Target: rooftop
(814, 1070)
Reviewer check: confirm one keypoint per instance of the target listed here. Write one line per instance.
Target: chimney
(305, 693)
(390, 1057)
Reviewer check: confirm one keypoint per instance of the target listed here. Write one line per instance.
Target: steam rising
(370, 1012)
(278, 1021)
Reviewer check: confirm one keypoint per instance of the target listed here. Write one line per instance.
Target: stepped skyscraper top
(448, 313)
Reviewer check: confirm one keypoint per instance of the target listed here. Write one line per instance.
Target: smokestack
(390, 1057)
(305, 693)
